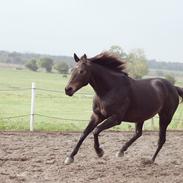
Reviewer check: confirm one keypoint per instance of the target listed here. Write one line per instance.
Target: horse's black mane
(110, 61)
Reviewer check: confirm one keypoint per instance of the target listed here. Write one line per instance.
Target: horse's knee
(95, 131)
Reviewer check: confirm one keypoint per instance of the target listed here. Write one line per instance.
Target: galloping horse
(120, 98)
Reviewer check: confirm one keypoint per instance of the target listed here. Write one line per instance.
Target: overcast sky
(62, 27)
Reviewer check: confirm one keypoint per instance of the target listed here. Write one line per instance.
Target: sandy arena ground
(39, 157)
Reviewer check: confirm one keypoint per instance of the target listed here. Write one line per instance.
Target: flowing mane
(110, 61)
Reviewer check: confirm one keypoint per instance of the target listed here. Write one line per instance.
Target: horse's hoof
(147, 162)
(100, 152)
(68, 160)
(119, 154)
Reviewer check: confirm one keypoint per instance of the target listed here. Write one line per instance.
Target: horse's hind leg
(164, 121)
(138, 133)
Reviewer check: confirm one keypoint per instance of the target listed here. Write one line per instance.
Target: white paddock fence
(32, 107)
(33, 102)
(33, 113)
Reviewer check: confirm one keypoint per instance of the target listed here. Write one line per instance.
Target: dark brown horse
(120, 98)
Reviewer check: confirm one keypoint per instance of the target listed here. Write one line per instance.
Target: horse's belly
(141, 114)
(137, 118)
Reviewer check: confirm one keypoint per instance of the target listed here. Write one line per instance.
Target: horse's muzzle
(69, 91)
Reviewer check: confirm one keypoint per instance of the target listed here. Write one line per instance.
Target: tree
(61, 67)
(46, 63)
(117, 50)
(32, 65)
(170, 78)
(137, 63)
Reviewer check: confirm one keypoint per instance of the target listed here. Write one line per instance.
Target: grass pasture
(65, 110)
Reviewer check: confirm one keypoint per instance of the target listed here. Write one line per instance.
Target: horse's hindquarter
(147, 97)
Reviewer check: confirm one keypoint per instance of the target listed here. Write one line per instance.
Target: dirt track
(38, 158)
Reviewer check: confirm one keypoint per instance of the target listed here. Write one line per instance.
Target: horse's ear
(85, 57)
(76, 58)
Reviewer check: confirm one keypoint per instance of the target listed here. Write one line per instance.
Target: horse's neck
(102, 80)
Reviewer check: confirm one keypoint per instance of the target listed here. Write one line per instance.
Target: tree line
(137, 65)
(18, 58)
(47, 64)
(174, 66)
(23, 58)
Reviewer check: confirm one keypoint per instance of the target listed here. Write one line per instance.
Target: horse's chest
(104, 109)
(108, 107)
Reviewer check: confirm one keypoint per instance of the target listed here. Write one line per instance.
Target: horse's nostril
(68, 90)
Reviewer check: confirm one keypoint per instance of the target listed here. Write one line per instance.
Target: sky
(62, 27)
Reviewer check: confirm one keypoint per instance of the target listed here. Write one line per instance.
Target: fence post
(33, 94)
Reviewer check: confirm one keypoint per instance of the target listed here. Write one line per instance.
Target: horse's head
(80, 75)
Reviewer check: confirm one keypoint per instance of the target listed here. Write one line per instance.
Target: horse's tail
(180, 91)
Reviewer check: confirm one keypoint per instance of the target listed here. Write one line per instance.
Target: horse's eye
(81, 71)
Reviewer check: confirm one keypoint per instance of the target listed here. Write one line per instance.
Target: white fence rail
(33, 111)
(33, 102)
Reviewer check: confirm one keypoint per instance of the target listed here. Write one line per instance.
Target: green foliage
(46, 63)
(170, 78)
(117, 50)
(136, 61)
(32, 65)
(61, 67)
(137, 64)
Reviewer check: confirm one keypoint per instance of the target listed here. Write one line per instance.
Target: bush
(61, 67)
(32, 65)
(46, 63)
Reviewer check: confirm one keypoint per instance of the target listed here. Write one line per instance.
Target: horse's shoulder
(96, 101)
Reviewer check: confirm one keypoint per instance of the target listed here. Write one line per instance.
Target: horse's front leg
(107, 123)
(111, 121)
(92, 124)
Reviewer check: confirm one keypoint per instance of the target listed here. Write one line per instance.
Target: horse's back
(171, 100)
(158, 88)
(150, 96)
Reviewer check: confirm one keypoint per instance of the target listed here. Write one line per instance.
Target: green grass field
(54, 104)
